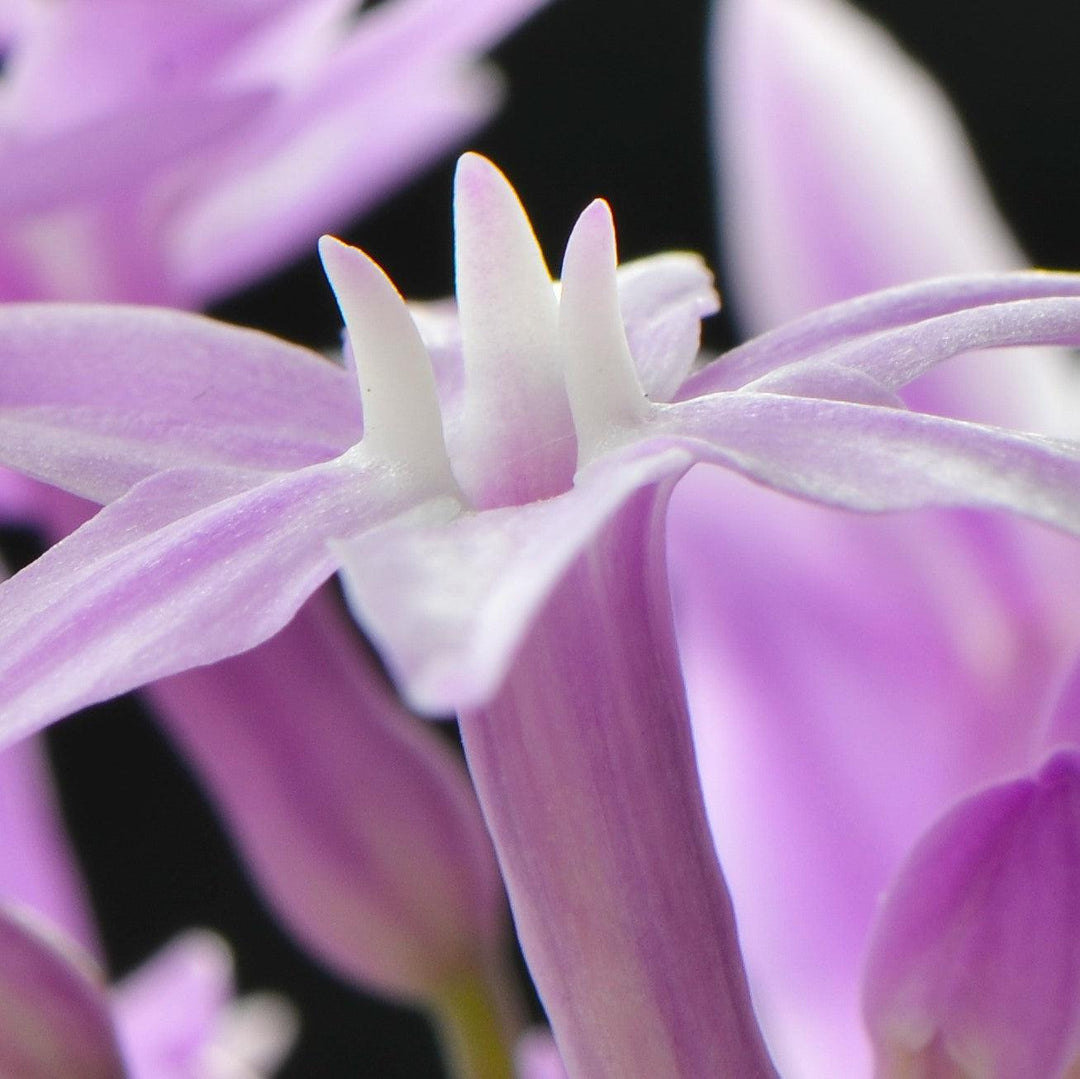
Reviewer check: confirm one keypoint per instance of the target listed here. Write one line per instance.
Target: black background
(605, 98)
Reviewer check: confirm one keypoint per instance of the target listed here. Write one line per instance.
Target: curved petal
(53, 1015)
(187, 568)
(94, 399)
(844, 169)
(869, 458)
(448, 596)
(354, 817)
(974, 965)
(37, 865)
(866, 316)
(176, 1016)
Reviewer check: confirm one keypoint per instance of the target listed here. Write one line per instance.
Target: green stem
(477, 1020)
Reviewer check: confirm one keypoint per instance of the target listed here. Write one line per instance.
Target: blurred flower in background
(851, 678)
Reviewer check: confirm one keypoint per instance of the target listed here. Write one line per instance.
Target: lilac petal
(355, 819)
(843, 166)
(538, 1057)
(845, 170)
(358, 126)
(585, 770)
(104, 158)
(128, 598)
(53, 1015)
(37, 865)
(1063, 724)
(872, 459)
(448, 596)
(974, 966)
(515, 406)
(848, 675)
(905, 305)
(176, 1017)
(663, 300)
(94, 399)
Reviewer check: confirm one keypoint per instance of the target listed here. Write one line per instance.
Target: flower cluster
(788, 621)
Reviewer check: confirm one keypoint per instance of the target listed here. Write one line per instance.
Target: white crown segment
(601, 378)
(516, 415)
(402, 421)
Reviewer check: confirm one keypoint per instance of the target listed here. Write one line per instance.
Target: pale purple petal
(355, 819)
(873, 459)
(358, 126)
(663, 300)
(1063, 726)
(130, 596)
(538, 1056)
(585, 771)
(449, 595)
(37, 865)
(843, 169)
(974, 965)
(176, 1017)
(96, 398)
(865, 316)
(53, 1015)
(848, 675)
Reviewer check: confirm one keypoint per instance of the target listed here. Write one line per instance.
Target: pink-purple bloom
(500, 522)
(852, 679)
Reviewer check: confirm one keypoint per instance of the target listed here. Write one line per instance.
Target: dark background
(605, 98)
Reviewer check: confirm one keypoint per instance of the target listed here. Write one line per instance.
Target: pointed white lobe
(516, 415)
(601, 379)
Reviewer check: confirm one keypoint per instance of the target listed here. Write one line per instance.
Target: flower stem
(476, 1023)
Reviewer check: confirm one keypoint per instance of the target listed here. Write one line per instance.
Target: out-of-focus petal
(448, 596)
(94, 399)
(843, 169)
(974, 965)
(188, 568)
(54, 1018)
(585, 771)
(176, 1017)
(37, 865)
(538, 1057)
(354, 818)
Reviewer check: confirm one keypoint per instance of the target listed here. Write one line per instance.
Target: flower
(850, 679)
(150, 148)
(501, 533)
(175, 1015)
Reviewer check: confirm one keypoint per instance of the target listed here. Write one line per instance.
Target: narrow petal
(663, 300)
(843, 169)
(865, 316)
(130, 596)
(53, 1015)
(974, 966)
(515, 407)
(356, 820)
(37, 865)
(94, 399)
(869, 458)
(585, 770)
(106, 159)
(448, 597)
(176, 1016)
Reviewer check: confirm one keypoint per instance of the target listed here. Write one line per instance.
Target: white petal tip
(592, 241)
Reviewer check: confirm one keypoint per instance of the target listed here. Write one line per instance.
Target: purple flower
(150, 147)
(850, 678)
(501, 529)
